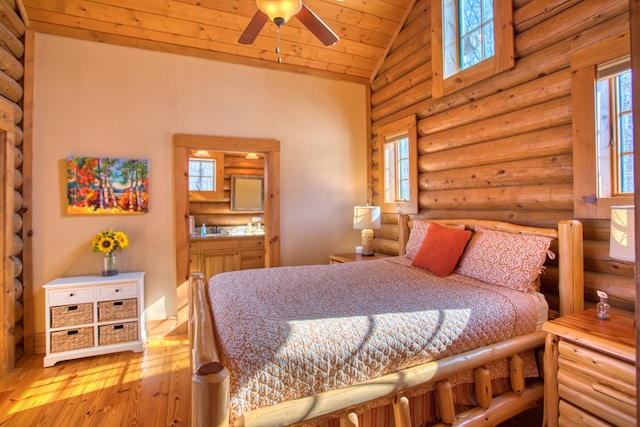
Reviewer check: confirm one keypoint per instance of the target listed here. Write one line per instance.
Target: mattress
(289, 332)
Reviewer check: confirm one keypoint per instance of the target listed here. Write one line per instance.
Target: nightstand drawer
(582, 394)
(598, 368)
(70, 296)
(119, 291)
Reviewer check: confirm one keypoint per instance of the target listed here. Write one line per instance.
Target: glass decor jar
(109, 265)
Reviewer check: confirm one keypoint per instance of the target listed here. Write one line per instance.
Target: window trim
(502, 60)
(584, 64)
(407, 125)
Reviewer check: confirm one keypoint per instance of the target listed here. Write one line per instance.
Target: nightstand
(589, 370)
(353, 257)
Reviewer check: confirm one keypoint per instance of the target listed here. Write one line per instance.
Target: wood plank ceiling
(211, 28)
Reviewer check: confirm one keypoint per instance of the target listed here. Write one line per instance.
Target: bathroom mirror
(247, 193)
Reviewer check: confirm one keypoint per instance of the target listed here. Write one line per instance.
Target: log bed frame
(210, 380)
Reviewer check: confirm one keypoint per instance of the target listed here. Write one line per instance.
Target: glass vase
(109, 266)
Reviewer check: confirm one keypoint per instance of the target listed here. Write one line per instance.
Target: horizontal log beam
(548, 197)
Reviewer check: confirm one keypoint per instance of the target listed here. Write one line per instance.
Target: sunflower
(109, 241)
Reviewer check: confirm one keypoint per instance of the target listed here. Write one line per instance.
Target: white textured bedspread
(289, 332)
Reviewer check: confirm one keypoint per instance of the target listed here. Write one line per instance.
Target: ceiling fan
(279, 12)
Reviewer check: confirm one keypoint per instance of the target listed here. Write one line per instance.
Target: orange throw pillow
(441, 249)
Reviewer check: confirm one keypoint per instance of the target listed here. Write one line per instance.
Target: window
(399, 165)
(396, 169)
(614, 129)
(202, 176)
(206, 176)
(472, 40)
(602, 128)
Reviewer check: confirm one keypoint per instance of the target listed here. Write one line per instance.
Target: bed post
(403, 233)
(210, 380)
(571, 268)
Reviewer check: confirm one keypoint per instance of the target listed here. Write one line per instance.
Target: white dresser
(91, 315)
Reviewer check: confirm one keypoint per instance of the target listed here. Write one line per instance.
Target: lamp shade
(283, 9)
(366, 217)
(622, 242)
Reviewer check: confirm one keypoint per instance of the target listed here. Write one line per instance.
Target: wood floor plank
(122, 389)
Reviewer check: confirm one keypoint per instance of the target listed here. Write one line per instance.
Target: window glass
(398, 160)
(202, 175)
(471, 41)
(475, 33)
(614, 129)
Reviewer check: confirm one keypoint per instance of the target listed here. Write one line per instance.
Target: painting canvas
(107, 186)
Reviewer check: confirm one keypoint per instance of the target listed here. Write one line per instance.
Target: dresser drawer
(71, 339)
(70, 296)
(116, 292)
(71, 315)
(119, 333)
(117, 310)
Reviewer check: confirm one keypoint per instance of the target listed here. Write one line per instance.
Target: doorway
(182, 143)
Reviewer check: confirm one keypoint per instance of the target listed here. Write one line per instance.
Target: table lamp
(366, 218)
(622, 242)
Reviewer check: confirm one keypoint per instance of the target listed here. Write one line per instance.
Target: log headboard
(570, 252)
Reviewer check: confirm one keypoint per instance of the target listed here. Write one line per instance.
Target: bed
(409, 350)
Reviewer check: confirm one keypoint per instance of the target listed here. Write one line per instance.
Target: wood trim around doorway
(271, 150)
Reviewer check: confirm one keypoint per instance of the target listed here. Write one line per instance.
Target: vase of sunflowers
(106, 242)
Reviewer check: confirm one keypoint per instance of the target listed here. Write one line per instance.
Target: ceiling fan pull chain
(278, 44)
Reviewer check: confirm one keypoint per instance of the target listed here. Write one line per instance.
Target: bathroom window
(206, 177)
(202, 175)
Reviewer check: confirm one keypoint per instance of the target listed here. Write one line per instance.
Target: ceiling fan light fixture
(279, 11)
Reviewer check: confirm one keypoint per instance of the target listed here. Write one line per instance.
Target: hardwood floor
(123, 389)
(149, 389)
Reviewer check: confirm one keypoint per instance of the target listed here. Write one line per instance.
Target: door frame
(270, 148)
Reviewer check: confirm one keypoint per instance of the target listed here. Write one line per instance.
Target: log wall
(15, 335)
(502, 148)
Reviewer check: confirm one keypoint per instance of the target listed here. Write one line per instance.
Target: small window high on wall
(471, 41)
(614, 128)
(398, 162)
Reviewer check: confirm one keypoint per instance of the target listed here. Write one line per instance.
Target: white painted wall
(93, 99)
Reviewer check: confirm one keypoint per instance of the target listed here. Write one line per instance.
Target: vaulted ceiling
(211, 29)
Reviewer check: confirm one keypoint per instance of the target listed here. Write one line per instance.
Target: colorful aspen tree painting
(107, 186)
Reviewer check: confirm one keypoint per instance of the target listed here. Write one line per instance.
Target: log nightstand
(590, 371)
(353, 257)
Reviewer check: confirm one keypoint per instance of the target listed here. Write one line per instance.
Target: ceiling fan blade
(254, 27)
(316, 26)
